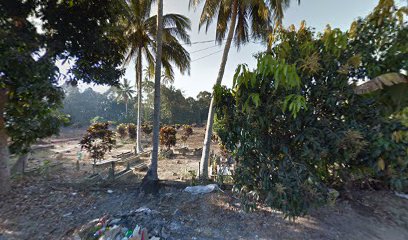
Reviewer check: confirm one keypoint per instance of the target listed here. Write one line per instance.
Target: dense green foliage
(330, 137)
(168, 136)
(84, 106)
(28, 57)
(98, 140)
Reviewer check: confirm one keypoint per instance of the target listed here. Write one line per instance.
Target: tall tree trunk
(139, 103)
(4, 152)
(126, 108)
(151, 180)
(210, 119)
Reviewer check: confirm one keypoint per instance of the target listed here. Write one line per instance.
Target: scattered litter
(145, 210)
(114, 221)
(201, 189)
(402, 195)
(67, 214)
(110, 191)
(74, 194)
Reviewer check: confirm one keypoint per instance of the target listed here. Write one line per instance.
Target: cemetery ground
(54, 200)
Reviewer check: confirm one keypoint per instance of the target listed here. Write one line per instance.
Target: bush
(98, 140)
(168, 137)
(187, 130)
(132, 131)
(147, 128)
(121, 129)
(295, 125)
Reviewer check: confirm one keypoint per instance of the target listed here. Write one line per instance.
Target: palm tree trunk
(150, 181)
(210, 120)
(4, 152)
(126, 108)
(139, 103)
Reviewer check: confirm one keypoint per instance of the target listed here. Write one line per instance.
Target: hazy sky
(317, 13)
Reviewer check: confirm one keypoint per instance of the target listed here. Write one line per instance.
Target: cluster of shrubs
(130, 130)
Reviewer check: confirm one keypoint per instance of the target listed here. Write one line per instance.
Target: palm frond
(389, 90)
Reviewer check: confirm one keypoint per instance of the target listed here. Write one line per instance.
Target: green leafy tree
(331, 136)
(140, 34)
(238, 21)
(28, 72)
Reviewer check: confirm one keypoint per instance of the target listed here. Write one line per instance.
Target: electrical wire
(206, 55)
(203, 49)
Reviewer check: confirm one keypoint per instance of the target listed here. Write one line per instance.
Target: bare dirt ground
(53, 199)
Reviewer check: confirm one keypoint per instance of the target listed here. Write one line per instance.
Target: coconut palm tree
(124, 93)
(140, 35)
(240, 20)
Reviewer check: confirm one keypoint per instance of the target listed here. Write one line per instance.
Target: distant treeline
(84, 106)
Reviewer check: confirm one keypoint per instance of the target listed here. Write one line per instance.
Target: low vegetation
(98, 140)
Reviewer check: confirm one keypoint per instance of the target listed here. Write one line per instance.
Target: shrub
(132, 130)
(292, 141)
(147, 128)
(168, 137)
(121, 130)
(98, 140)
(187, 130)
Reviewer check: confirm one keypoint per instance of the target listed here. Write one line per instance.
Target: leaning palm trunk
(150, 181)
(139, 102)
(210, 120)
(4, 152)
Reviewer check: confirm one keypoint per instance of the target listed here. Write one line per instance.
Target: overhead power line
(207, 55)
(203, 49)
(193, 43)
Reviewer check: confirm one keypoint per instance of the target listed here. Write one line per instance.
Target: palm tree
(140, 35)
(124, 92)
(242, 20)
(150, 181)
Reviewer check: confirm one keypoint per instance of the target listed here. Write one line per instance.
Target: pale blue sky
(317, 13)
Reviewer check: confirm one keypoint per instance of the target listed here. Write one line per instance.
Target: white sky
(317, 13)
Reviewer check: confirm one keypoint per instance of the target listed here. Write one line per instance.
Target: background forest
(87, 105)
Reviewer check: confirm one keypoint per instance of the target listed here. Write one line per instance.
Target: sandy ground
(53, 199)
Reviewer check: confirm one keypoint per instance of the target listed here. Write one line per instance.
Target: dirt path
(52, 202)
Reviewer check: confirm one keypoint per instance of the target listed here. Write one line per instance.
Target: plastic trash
(201, 189)
(402, 195)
